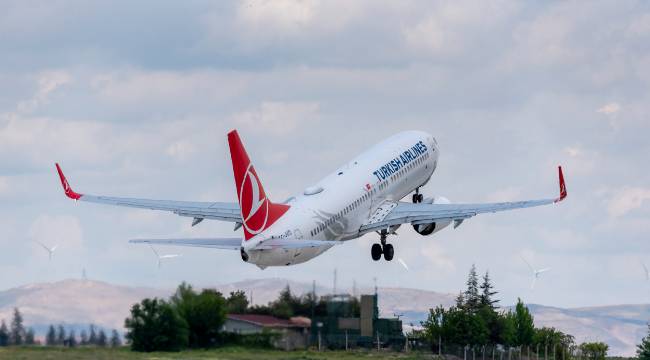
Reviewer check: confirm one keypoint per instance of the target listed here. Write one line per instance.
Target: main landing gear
(387, 249)
(417, 197)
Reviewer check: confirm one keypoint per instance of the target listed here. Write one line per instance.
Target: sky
(135, 99)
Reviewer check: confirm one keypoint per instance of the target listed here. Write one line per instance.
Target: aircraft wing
(403, 212)
(198, 210)
(214, 243)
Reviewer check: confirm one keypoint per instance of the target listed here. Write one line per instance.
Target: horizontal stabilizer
(214, 243)
(294, 244)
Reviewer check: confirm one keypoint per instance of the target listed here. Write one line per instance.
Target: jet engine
(431, 228)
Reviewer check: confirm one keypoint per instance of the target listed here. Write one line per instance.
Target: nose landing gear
(387, 249)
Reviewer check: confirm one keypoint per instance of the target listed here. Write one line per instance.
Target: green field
(237, 353)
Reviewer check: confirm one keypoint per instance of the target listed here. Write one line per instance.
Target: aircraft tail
(257, 211)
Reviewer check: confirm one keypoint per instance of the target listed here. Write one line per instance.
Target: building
(345, 327)
(294, 332)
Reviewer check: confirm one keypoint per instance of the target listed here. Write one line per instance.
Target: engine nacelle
(431, 228)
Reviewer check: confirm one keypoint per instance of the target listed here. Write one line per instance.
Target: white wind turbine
(161, 257)
(647, 273)
(50, 251)
(403, 264)
(536, 273)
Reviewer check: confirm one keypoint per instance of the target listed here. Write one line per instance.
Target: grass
(227, 353)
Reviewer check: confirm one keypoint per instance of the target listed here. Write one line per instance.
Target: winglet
(66, 187)
(563, 193)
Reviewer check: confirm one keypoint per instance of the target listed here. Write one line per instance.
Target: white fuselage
(342, 202)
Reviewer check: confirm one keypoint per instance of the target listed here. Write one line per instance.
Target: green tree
(71, 341)
(17, 333)
(508, 329)
(92, 338)
(29, 337)
(205, 313)
(472, 297)
(50, 338)
(487, 292)
(83, 338)
(116, 341)
(461, 327)
(643, 349)
(594, 350)
(524, 325)
(60, 335)
(433, 326)
(101, 338)
(237, 302)
(4, 334)
(155, 325)
(561, 343)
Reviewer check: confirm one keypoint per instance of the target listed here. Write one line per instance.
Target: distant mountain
(74, 303)
(77, 303)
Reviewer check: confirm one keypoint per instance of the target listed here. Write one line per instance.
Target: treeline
(58, 336)
(16, 334)
(476, 321)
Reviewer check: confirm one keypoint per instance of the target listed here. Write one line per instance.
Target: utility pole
(378, 348)
(346, 339)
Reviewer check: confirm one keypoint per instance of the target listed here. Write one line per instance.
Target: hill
(77, 303)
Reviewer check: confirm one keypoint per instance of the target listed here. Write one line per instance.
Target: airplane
(361, 197)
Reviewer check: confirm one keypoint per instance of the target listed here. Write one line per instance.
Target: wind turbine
(50, 251)
(647, 273)
(161, 257)
(536, 273)
(403, 264)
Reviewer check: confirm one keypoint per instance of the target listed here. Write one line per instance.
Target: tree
(237, 302)
(101, 338)
(155, 325)
(433, 326)
(17, 333)
(71, 341)
(29, 337)
(643, 349)
(594, 350)
(462, 327)
(487, 292)
(115, 339)
(50, 338)
(4, 334)
(472, 298)
(508, 329)
(560, 341)
(525, 327)
(205, 313)
(92, 338)
(60, 336)
(83, 338)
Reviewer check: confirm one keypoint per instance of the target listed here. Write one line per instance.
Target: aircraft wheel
(375, 251)
(388, 251)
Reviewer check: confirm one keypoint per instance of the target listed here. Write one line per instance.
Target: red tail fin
(257, 211)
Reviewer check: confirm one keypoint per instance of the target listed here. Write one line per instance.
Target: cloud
(48, 82)
(627, 199)
(4, 185)
(609, 109)
(437, 257)
(181, 150)
(287, 15)
(278, 118)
